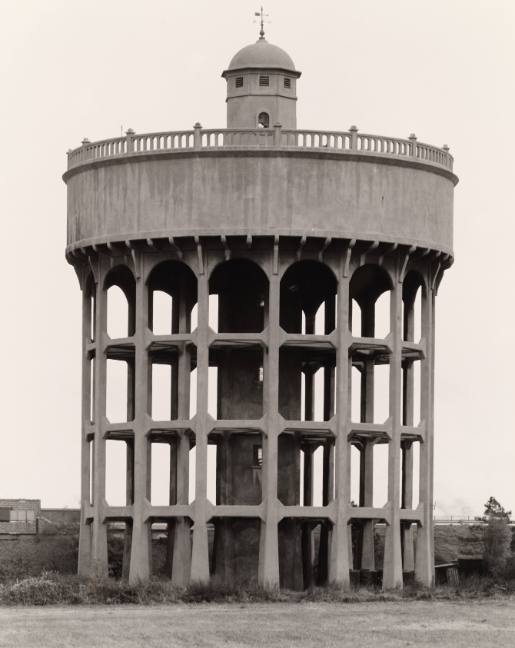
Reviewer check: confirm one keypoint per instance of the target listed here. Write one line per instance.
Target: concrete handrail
(200, 139)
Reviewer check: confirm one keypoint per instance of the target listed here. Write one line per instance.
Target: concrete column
(268, 569)
(141, 546)
(172, 499)
(129, 498)
(181, 563)
(368, 540)
(368, 549)
(200, 550)
(308, 475)
(408, 557)
(409, 392)
(309, 393)
(174, 395)
(310, 322)
(430, 431)
(327, 496)
(392, 567)
(129, 491)
(84, 558)
(309, 415)
(339, 564)
(424, 559)
(307, 531)
(222, 538)
(99, 566)
(181, 559)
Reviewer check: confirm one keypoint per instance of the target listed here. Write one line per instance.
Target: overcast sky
(443, 69)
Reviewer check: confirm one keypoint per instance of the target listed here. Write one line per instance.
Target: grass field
(471, 624)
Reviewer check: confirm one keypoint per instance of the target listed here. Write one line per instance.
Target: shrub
(497, 538)
(497, 546)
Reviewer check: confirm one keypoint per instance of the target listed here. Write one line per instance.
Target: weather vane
(262, 20)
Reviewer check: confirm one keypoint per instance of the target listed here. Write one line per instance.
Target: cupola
(261, 87)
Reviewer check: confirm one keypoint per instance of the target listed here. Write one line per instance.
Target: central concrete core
(300, 270)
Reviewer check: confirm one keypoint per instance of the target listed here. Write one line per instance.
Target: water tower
(273, 248)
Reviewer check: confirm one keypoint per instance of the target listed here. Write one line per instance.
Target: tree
(497, 537)
(495, 510)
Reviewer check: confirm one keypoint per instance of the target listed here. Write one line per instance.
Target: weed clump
(52, 588)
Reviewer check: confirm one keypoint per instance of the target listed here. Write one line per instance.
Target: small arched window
(263, 120)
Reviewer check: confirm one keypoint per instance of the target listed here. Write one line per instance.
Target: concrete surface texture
(275, 247)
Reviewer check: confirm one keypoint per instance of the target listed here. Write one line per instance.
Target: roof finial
(262, 21)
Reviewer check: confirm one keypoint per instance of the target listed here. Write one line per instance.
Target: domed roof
(261, 54)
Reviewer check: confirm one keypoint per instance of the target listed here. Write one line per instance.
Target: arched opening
(172, 287)
(121, 294)
(263, 120)
(413, 294)
(242, 290)
(236, 366)
(89, 308)
(370, 288)
(308, 298)
(238, 299)
(172, 292)
(88, 328)
(412, 297)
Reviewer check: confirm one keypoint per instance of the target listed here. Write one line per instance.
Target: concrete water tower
(273, 248)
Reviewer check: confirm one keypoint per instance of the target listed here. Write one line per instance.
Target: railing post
(130, 140)
(413, 145)
(447, 160)
(84, 145)
(197, 136)
(353, 130)
(277, 135)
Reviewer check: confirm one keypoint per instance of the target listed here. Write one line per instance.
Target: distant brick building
(19, 516)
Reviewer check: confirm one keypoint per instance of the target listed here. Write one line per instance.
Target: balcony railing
(276, 138)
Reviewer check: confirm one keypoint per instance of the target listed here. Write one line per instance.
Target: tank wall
(317, 195)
